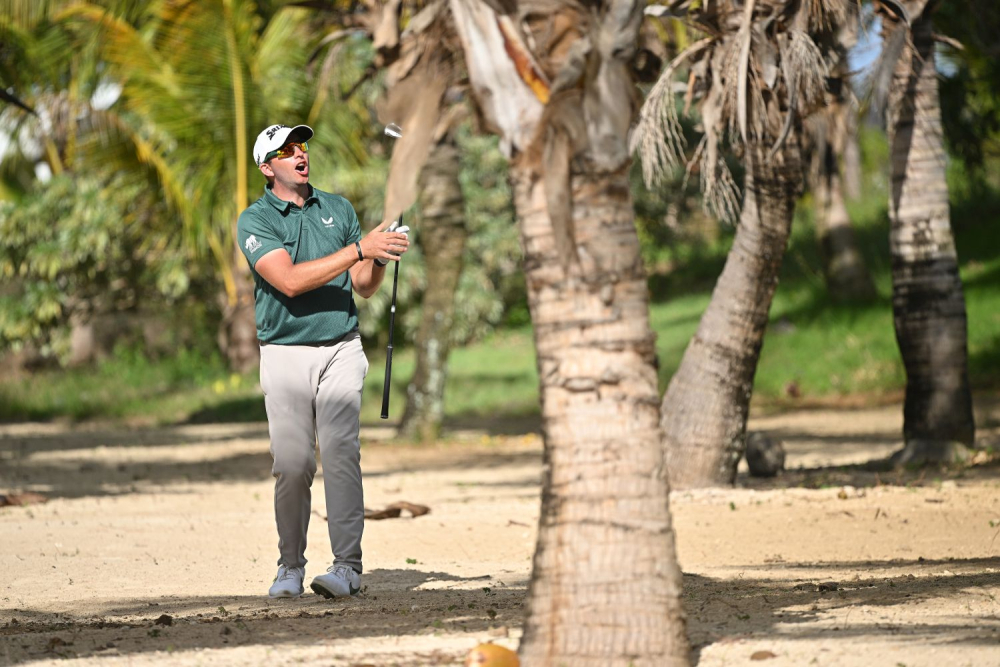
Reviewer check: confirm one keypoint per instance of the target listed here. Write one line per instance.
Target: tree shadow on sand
(393, 603)
(851, 601)
(878, 472)
(846, 601)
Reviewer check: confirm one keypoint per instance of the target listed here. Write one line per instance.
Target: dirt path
(157, 547)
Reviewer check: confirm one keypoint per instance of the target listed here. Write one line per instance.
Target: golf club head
(394, 131)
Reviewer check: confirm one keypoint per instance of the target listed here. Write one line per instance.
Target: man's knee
(294, 464)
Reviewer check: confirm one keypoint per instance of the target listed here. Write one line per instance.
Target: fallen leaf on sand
(394, 510)
(762, 655)
(26, 498)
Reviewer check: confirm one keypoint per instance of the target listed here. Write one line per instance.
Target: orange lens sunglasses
(288, 150)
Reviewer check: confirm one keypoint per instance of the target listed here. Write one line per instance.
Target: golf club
(391, 130)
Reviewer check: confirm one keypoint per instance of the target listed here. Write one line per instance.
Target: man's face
(290, 167)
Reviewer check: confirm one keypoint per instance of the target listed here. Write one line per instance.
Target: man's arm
(291, 279)
(366, 277)
(277, 268)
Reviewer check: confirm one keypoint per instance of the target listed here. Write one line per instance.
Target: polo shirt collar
(281, 205)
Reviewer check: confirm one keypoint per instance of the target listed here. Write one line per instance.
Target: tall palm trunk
(847, 277)
(852, 157)
(927, 299)
(238, 330)
(704, 411)
(442, 237)
(605, 588)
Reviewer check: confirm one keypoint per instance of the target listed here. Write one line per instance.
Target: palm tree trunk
(847, 277)
(927, 299)
(852, 156)
(605, 587)
(442, 238)
(704, 411)
(238, 329)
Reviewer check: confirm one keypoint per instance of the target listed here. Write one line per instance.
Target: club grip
(387, 383)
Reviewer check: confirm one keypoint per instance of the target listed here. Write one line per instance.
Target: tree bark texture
(606, 586)
(553, 81)
(852, 157)
(705, 408)
(927, 299)
(847, 276)
(442, 238)
(834, 133)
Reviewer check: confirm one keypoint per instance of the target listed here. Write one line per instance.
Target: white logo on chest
(327, 222)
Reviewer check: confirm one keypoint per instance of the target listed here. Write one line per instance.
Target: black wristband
(361, 255)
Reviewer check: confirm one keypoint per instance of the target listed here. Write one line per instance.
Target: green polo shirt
(325, 224)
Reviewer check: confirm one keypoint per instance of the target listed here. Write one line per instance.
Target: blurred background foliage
(120, 181)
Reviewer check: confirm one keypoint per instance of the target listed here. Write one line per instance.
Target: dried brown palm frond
(720, 193)
(756, 73)
(829, 14)
(804, 72)
(658, 137)
(803, 67)
(743, 104)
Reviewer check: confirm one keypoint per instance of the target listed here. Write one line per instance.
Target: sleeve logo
(252, 244)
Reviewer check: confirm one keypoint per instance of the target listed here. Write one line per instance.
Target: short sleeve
(255, 236)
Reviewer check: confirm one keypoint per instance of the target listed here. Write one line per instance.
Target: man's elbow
(364, 290)
(290, 289)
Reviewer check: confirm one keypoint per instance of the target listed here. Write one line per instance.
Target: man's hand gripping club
(386, 242)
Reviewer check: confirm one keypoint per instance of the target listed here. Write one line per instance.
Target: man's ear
(265, 169)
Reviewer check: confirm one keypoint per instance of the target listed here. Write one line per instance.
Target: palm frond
(743, 110)
(658, 137)
(803, 65)
(876, 84)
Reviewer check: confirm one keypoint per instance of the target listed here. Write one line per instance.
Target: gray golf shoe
(339, 581)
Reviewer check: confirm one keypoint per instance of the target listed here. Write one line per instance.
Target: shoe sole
(284, 597)
(319, 589)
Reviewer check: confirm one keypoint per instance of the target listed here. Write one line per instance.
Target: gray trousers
(313, 394)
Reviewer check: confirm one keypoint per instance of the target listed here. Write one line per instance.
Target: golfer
(307, 255)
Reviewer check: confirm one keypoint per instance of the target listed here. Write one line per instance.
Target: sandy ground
(157, 546)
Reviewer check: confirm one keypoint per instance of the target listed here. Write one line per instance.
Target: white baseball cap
(276, 136)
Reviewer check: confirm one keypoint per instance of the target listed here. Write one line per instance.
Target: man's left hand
(405, 231)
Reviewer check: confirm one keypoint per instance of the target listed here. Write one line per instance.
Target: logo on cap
(271, 131)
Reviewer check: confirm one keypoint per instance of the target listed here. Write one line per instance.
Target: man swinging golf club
(307, 254)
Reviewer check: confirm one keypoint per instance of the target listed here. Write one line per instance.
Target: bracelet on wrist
(361, 255)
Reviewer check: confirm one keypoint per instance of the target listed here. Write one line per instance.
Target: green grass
(829, 350)
(128, 387)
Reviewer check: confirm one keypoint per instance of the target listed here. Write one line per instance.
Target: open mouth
(302, 168)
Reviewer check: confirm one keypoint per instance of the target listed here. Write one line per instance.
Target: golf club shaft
(387, 383)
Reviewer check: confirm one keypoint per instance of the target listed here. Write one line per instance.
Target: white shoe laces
(287, 573)
(340, 570)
